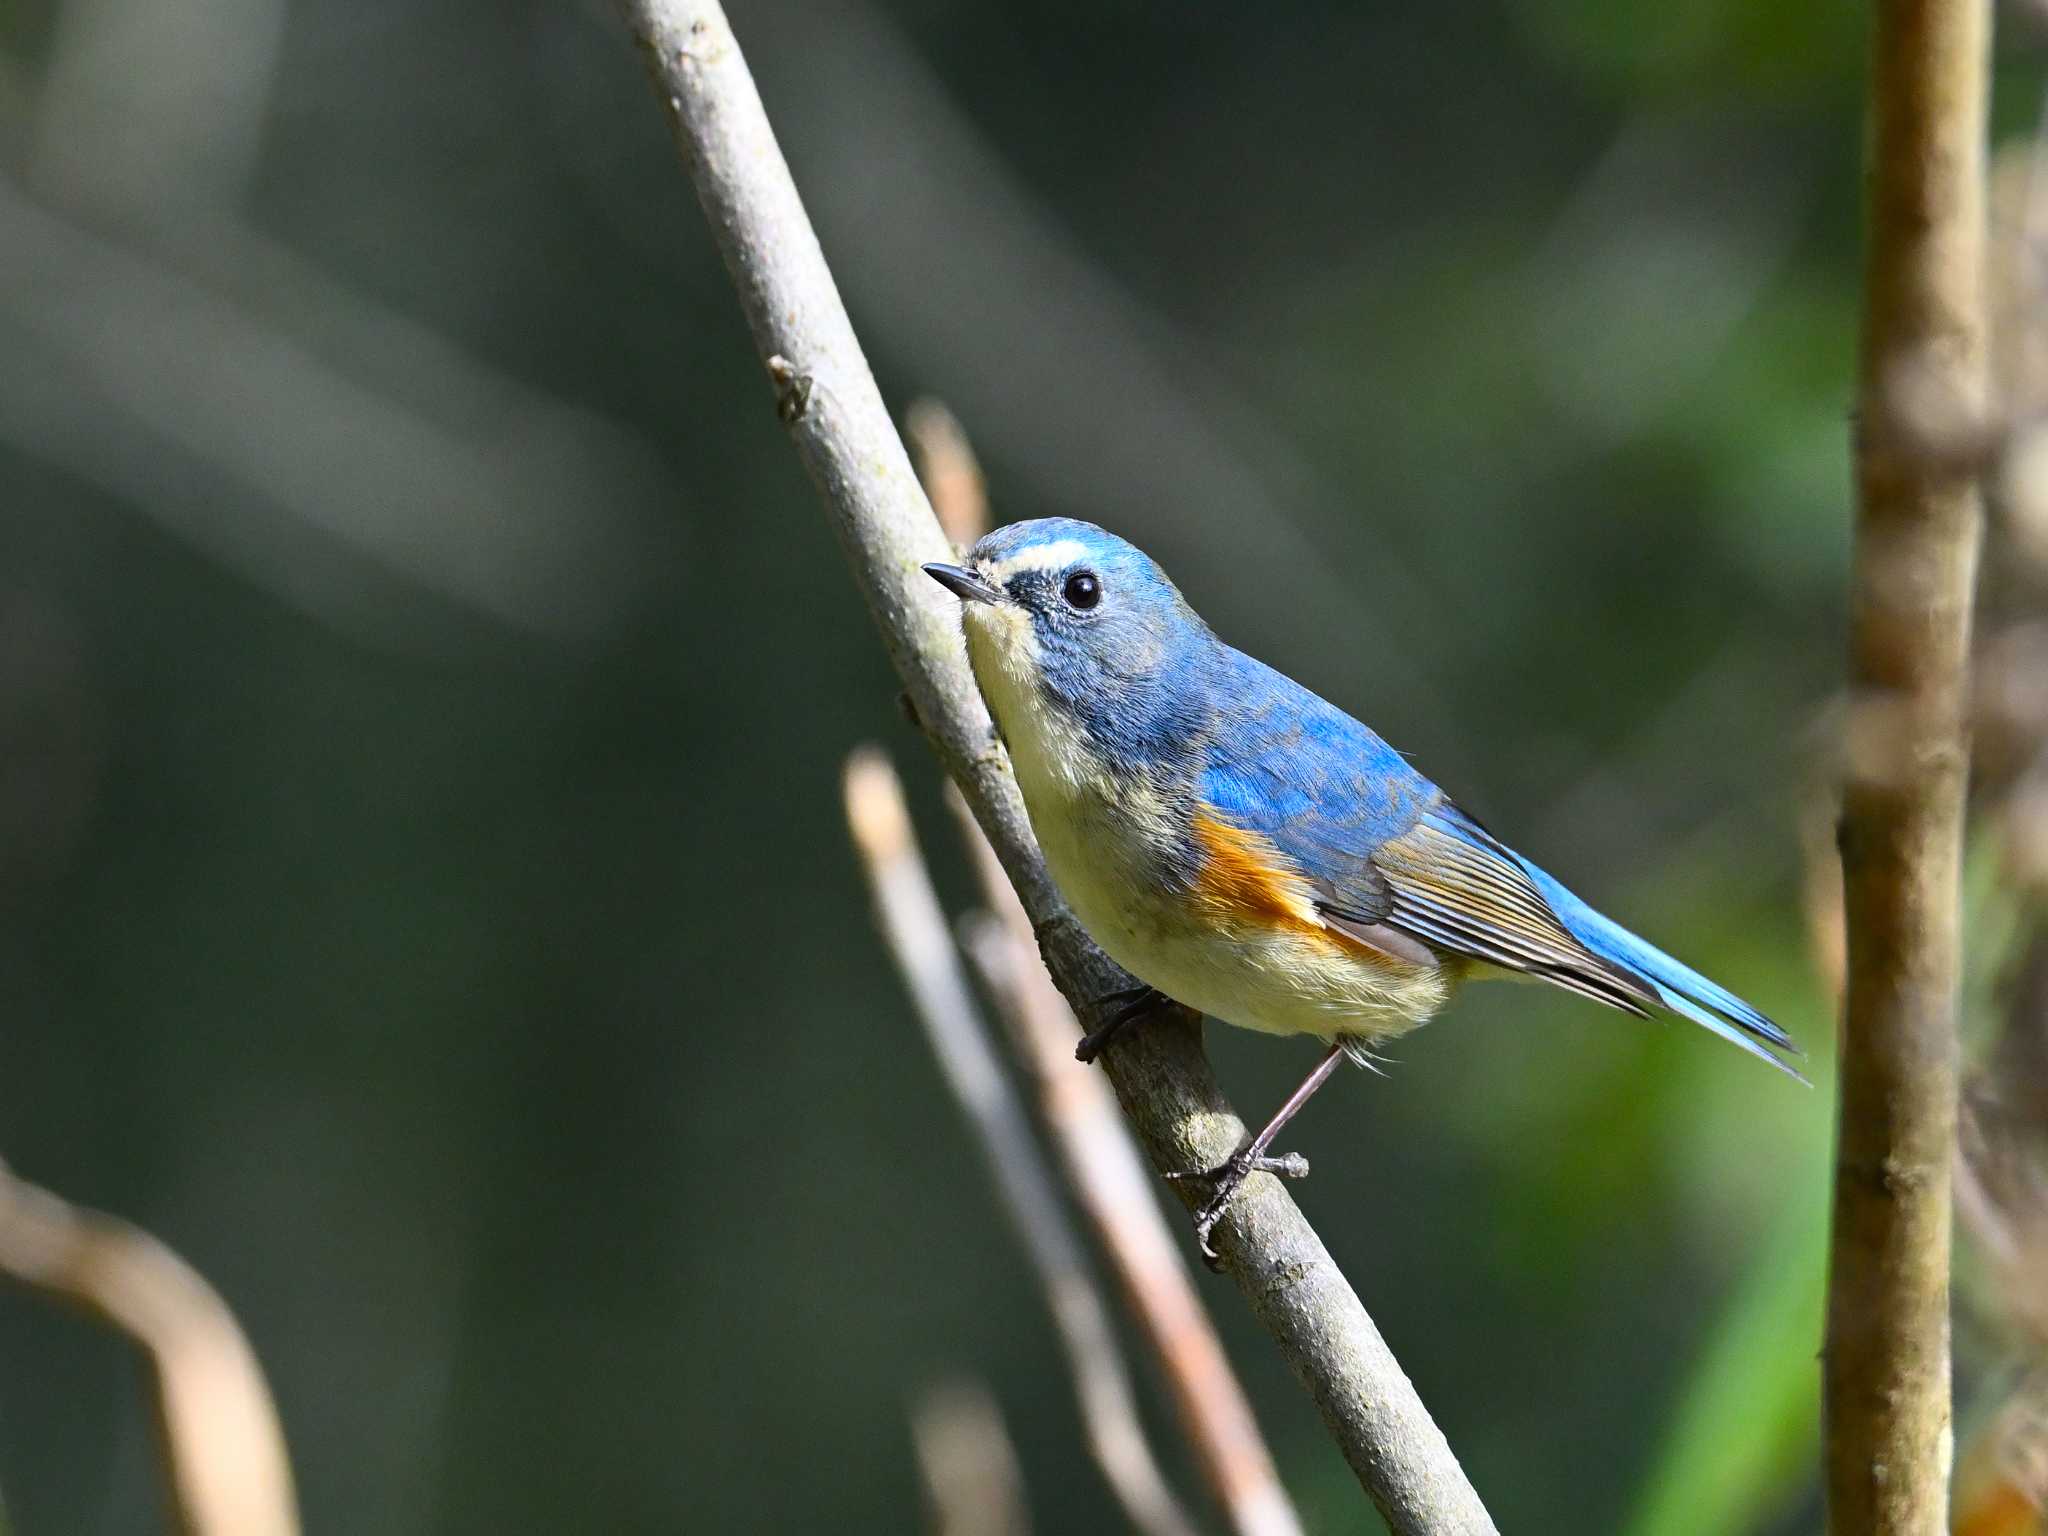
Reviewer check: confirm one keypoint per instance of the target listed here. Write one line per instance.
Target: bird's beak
(963, 583)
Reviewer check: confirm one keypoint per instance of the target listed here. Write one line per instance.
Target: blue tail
(1679, 987)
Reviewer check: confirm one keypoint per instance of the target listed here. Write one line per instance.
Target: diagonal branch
(843, 433)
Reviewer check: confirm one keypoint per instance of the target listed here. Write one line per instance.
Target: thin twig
(224, 1451)
(949, 471)
(1889, 1436)
(842, 431)
(972, 1482)
(912, 921)
(1115, 1190)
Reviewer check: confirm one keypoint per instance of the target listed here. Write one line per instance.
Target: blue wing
(1385, 848)
(1321, 786)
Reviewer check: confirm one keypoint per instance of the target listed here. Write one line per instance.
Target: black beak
(963, 583)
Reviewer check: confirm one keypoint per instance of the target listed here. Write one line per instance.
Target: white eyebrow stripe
(1054, 555)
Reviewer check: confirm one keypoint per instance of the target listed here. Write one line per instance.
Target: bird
(1248, 850)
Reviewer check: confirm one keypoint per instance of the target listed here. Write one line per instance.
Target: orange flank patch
(1244, 877)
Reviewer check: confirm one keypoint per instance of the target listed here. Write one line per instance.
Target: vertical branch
(827, 397)
(223, 1449)
(1889, 1439)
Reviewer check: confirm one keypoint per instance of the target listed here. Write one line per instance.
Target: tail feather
(1679, 987)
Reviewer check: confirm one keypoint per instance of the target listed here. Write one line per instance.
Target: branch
(1889, 1438)
(1115, 1191)
(223, 1449)
(972, 1482)
(843, 433)
(908, 912)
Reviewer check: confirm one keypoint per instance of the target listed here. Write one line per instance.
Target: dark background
(424, 676)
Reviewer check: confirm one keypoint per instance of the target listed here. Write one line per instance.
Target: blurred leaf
(1743, 1431)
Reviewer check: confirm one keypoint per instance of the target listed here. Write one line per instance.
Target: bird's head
(1068, 613)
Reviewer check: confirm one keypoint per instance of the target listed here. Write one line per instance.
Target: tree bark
(1921, 398)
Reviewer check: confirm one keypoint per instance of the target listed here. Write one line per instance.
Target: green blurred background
(424, 675)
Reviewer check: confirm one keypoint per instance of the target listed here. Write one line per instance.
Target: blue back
(1296, 769)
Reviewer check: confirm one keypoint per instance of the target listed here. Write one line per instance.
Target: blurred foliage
(1743, 1432)
(425, 673)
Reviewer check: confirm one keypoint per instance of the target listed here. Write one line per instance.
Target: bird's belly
(1248, 971)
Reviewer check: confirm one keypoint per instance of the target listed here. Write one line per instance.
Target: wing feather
(1472, 898)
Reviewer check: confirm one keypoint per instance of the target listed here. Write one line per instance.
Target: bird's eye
(1082, 590)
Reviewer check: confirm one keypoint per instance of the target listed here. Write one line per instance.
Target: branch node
(1286, 1278)
(792, 389)
(687, 54)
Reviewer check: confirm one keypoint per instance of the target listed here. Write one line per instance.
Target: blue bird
(1249, 850)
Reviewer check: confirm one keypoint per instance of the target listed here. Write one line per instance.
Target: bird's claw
(1131, 1003)
(1227, 1178)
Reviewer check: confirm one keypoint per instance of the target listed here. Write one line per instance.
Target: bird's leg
(1131, 1003)
(1253, 1156)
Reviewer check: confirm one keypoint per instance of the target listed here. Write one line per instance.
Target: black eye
(1082, 590)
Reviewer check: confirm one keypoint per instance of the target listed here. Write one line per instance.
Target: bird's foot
(1131, 1004)
(1226, 1179)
